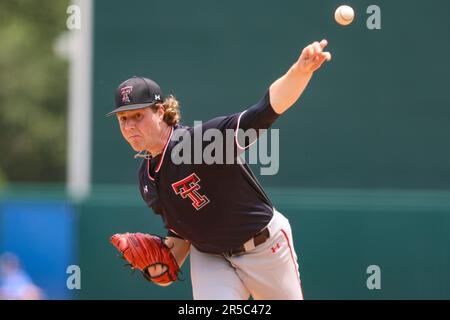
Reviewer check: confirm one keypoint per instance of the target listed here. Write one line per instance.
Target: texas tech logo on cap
(124, 92)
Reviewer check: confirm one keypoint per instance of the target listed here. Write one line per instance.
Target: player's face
(141, 128)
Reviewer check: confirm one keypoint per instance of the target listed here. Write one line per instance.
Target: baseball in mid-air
(344, 15)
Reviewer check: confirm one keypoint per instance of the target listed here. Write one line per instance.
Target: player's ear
(159, 109)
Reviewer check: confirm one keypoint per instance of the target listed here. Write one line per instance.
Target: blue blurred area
(42, 235)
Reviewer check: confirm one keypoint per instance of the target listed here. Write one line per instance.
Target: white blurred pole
(80, 101)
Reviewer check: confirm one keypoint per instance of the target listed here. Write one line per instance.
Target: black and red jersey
(216, 206)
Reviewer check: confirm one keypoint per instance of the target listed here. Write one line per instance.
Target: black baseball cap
(136, 93)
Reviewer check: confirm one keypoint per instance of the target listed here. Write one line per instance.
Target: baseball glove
(146, 250)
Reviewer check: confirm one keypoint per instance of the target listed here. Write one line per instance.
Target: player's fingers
(307, 52)
(310, 51)
(317, 47)
(156, 270)
(304, 53)
(327, 55)
(324, 56)
(323, 43)
(318, 61)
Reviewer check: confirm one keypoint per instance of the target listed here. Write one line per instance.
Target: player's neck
(162, 139)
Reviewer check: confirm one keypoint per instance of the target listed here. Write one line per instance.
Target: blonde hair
(171, 108)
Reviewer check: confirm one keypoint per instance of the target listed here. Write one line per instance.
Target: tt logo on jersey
(124, 92)
(188, 187)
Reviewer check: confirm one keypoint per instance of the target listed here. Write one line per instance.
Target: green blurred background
(364, 155)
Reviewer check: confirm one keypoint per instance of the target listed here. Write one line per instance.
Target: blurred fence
(338, 234)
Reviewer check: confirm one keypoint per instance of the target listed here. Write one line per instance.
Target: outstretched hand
(313, 56)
